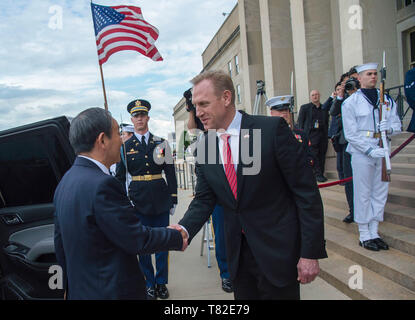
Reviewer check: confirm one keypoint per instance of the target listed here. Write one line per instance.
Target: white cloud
(48, 72)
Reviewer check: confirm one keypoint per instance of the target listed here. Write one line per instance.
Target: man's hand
(384, 126)
(172, 210)
(308, 269)
(183, 232)
(378, 153)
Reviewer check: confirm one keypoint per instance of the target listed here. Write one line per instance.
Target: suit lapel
(245, 133)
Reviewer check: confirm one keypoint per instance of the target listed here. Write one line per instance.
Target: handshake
(183, 232)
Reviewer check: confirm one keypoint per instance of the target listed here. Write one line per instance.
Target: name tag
(316, 125)
(132, 152)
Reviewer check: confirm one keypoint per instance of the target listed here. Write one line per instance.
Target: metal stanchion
(207, 239)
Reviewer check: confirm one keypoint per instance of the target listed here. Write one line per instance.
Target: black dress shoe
(381, 244)
(321, 179)
(369, 245)
(161, 291)
(227, 285)
(349, 218)
(151, 293)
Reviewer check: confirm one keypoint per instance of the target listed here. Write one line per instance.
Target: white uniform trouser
(369, 194)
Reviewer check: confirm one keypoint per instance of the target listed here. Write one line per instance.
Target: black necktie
(143, 141)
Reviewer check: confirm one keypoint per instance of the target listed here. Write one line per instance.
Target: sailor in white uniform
(362, 127)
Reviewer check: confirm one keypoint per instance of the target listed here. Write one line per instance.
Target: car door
(33, 159)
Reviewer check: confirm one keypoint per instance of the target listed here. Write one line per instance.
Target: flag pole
(100, 69)
(103, 87)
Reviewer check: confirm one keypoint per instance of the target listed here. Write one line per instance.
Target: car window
(31, 166)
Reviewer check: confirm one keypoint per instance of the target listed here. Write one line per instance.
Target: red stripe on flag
(120, 30)
(132, 33)
(118, 39)
(120, 48)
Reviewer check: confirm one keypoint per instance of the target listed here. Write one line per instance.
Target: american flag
(123, 28)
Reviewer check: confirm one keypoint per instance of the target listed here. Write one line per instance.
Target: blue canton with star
(104, 16)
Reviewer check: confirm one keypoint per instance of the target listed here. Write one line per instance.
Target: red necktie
(228, 163)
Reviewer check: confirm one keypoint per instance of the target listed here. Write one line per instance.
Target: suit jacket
(98, 236)
(305, 121)
(410, 96)
(152, 197)
(279, 209)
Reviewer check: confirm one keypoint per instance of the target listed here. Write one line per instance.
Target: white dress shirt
(99, 164)
(146, 135)
(233, 130)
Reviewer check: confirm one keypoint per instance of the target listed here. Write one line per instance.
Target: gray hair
(87, 126)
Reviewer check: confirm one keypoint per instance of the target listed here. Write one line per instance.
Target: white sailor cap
(128, 128)
(279, 102)
(367, 66)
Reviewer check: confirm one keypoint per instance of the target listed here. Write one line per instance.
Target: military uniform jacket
(359, 118)
(302, 138)
(150, 197)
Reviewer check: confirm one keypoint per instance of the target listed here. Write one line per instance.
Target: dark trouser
(220, 249)
(339, 156)
(162, 267)
(251, 284)
(318, 149)
(348, 172)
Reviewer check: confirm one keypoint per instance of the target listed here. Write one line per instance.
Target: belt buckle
(147, 177)
(377, 135)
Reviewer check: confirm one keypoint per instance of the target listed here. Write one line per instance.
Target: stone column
(277, 43)
(251, 48)
(300, 51)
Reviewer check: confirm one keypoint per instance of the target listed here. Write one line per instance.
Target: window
(238, 94)
(230, 68)
(236, 64)
(400, 4)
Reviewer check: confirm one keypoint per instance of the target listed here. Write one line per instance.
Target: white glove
(384, 126)
(378, 153)
(173, 209)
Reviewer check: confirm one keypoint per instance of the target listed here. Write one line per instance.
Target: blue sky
(49, 68)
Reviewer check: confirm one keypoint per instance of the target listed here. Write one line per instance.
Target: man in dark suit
(97, 232)
(410, 95)
(273, 212)
(314, 120)
(147, 156)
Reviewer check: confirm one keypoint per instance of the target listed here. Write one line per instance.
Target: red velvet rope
(394, 153)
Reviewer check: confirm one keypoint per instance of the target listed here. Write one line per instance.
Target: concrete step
(399, 139)
(394, 213)
(407, 169)
(409, 149)
(403, 197)
(392, 264)
(335, 271)
(398, 180)
(404, 158)
(396, 236)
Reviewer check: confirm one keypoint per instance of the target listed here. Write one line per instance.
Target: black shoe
(227, 285)
(151, 293)
(369, 245)
(381, 244)
(348, 219)
(321, 178)
(161, 291)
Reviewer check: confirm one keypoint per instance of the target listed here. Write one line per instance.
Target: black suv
(33, 159)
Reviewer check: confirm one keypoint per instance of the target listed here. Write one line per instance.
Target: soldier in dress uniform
(147, 156)
(362, 129)
(280, 107)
